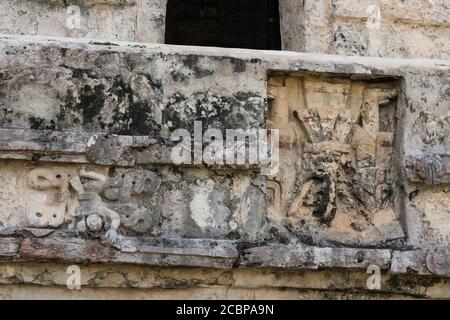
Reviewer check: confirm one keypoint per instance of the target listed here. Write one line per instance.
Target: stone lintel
(223, 254)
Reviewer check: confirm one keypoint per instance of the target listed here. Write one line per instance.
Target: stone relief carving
(50, 208)
(336, 178)
(438, 261)
(107, 202)
(91, 202)
(93, 212)
(431, 169)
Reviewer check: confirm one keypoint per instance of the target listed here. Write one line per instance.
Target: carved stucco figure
(430, 169)
(90, 201)
(336, 178)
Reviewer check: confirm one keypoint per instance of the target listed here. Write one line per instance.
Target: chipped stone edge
(272, 60)
(222, 254)
(90, 148)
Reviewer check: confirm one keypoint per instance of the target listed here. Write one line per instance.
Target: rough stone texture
(45, 280)
(336, 177)
(87, 177)
(100, 169)
(129, 20)
(87, 94)
(382, 28)
(9, 247)
(134, 201)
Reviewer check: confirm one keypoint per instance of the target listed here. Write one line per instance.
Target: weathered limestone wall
(128, 20)
(48, 281)
(381, 28)
(88, 178)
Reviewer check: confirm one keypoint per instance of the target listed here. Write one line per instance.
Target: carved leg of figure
(73, 203)
(114, 218)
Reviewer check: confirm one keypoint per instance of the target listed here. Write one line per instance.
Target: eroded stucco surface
(87, 139)
(128, 20)
(381, 28)
(87, 175)
(337, 173)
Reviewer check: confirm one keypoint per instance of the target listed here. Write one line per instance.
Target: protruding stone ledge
(77, 147)
(64, 146)
(221, 254)
(422, 261)
(270, 60)
(154, 252)
(101, 149)
(46, 145)
(93, 2)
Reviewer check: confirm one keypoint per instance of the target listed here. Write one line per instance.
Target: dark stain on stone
(401, 282)
(36, 123)
(215, 110)
(238, 65)
(376, 71)
(130, 62)
(178, 76)
(322, 200)
(191, 61)
(423, 117)
(413, 194)
(306, 239)
(171, 283)
(280, 237)
(79, 73)
(92, 102)
(138, 117)
(242, 248)
(233, 235)
(101, 43)
(360, 256)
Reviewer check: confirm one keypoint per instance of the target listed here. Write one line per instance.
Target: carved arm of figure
(96, 181)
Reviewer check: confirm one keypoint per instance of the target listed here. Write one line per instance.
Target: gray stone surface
(86, 132)
(128, 20)
(87, 175)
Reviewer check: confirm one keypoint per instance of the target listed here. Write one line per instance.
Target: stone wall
(89, 177)
(127, 20)
(45, 280)
(86, 149)
(381, 28)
